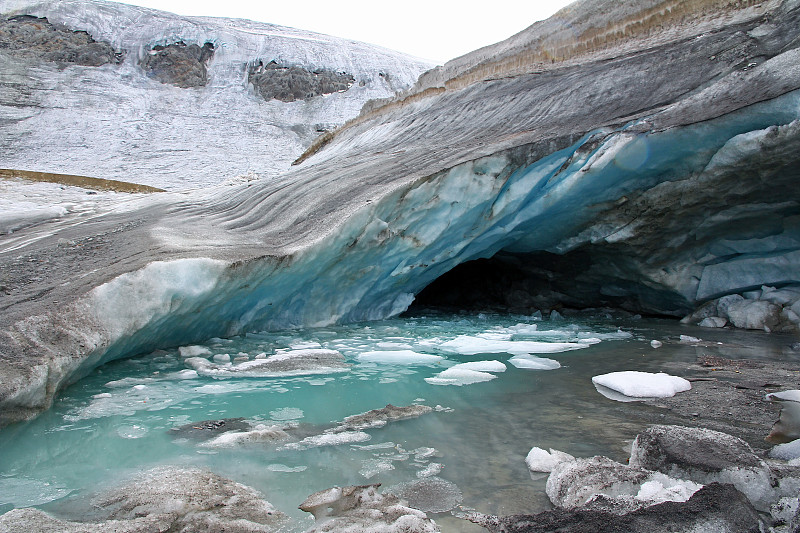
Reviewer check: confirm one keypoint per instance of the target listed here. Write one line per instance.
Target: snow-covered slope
(115, 122)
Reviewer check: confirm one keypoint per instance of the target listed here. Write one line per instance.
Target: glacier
(663, 164)
(118, 121)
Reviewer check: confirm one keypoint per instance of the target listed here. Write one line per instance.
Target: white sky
(432, 29)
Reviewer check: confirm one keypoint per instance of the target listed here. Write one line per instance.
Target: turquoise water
(116, 421)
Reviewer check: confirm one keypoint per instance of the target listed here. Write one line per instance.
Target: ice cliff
(113, 91)
(653, 169)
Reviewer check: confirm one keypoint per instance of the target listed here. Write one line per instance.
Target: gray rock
(704, 456)
(749, 314)
(31, 37)
(292, 82)
(164, 499)
(713, 322)
(179, 64)
(716, 507)
(358, 509)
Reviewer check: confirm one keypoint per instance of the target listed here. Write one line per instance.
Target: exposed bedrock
(667, 168)
(31, 37)
(292, 82)
(179, 64)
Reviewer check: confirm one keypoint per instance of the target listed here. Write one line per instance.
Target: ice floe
(634, 384)
(539, 460)
(473, 345)
(283, 363)
(531, 362)
(328, 439)
(402, 357)
(467, 373)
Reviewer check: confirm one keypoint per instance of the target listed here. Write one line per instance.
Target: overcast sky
(432, 29)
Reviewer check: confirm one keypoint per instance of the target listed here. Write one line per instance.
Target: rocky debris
(179, 64)
(769, 309)
(29, 37)
(290, 83)
(163, 499)
(207, 429)
(380, 417)
(704, 456)
(716, 507)
(362, 508)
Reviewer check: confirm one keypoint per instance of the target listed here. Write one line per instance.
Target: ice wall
(115, 122)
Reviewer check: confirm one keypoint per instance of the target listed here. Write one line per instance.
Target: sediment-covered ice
(643, 384)
(285, 363)
(328, 439)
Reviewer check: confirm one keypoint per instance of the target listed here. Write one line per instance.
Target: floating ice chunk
(212, 389)
(656, 344)
(407, 357)
(277, 467)
(469, 345)
(222, 358)
(288, 363)
(380, 417)
(373, 467)
(184, 374)
(539, 460)
(260, 434)
(139, 387)
(304, 345)
(531, 362)
(433, 469)
(393, 346)
(689, 339)
(193, 351)
(555, 315)
(643, 384)
(482, 366)
(459, 377)
(328, 439)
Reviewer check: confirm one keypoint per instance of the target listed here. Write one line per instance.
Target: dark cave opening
(525, 283)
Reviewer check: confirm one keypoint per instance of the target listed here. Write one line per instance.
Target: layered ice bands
(656, 190)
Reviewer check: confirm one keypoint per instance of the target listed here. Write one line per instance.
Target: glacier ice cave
(638, 156)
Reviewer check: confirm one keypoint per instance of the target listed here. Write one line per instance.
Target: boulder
(716, 507)
(704, 456)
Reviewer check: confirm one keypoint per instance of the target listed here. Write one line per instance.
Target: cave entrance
(524, 283)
